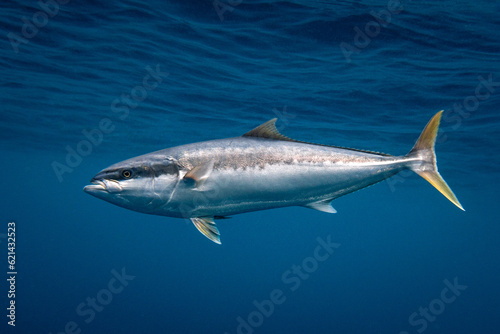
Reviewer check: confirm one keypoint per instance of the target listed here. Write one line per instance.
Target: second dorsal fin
(267, 130)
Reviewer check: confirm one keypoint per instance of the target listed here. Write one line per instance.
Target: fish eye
(126, 173)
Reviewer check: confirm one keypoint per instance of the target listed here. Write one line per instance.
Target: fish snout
(96, 186)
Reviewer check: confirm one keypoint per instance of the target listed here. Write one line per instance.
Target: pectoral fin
(200, 173)
(207, 227)
(323, 205)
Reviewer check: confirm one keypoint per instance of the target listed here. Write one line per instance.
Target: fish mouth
(96, 186)
(100, 186)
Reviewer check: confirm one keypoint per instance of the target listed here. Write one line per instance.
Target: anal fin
(323, 205)
(207, 227)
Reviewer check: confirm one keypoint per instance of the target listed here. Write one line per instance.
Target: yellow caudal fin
(423, 159)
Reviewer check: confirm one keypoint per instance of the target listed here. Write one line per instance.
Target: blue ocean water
(87, 84)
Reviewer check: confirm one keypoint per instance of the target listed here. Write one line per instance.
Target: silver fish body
(250, 174)
(259, 170)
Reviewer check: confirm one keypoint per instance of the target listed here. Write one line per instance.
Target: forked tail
(423, 159)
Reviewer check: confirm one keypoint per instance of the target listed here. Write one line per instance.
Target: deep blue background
(399, 240)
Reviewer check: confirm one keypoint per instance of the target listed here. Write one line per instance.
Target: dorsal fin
(267, 130)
